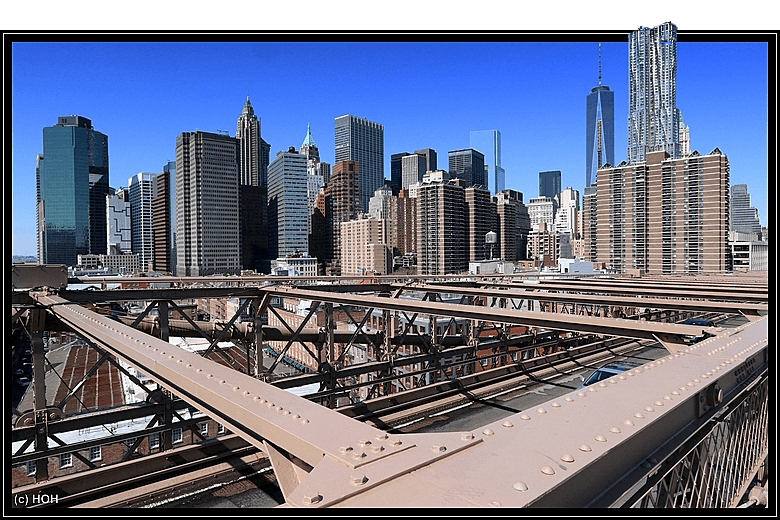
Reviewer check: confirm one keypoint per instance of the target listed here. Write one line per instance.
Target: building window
(154, 441)
(204, 429)
(66, 460)
(220, 428)
(176, 435)
(31, 468)
(95, 453)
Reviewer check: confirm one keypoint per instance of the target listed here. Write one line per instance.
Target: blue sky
(427, 95)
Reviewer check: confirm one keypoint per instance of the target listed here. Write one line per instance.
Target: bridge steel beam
(531, 293)
(533, 458)
(669, 332)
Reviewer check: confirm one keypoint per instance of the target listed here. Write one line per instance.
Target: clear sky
(427, 95)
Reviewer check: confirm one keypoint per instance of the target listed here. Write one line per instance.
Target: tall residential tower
(653, 118)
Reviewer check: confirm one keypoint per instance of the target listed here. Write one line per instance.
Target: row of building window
(96, 452)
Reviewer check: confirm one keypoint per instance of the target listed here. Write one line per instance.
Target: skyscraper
(119, 223)
(248, 135)
(661, 216)
(489, 143)
(441, 234)
(600, 128)
(550, 184)
(164, 219)
(653, 118)
(207, 204)
(744, 217)
(139, 188)
(395, 171)
(362, 141)
(342, 203)
(430, 159)
(72, 184)
(309, 147)
(468, 165)
(288, 213)
(412, 170)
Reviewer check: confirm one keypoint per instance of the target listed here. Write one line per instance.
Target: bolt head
(311, 498)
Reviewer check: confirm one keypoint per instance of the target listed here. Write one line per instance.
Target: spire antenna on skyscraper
(599, 64)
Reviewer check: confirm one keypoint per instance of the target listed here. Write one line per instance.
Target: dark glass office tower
(550, 184)
(395, 171)
(72, 189)
(600, 131)
(468, 165)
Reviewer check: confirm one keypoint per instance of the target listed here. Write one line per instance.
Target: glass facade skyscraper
(72, 184)
(550, 184)
(362, 141)
(468, 165)
(489, 143)
(653, 118)
(600, 128)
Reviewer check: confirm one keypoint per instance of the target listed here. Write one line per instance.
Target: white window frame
(95, 453)
(176, 435)
(66, 460)
(31, 468)
(220, 428)
(204, 429)
(154, 441)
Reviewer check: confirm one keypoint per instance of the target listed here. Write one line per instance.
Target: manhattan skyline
(145, 94)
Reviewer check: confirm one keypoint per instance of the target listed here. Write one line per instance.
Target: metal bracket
(51, 413)
(709, 398)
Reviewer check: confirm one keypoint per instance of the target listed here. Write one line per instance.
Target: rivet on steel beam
(581, 394)
(381, 436)
(547, 470)
(209, 376)
(439, 448)
(591, 389)
(246, 392)
(305, 421)
(541, 410)
(628, 422)
(396, 442)
(161, 353)
(525, 417)
(629, 374)
(377, 449)
(495, 503)
(603, 384)
(296, 416)
(286, 412)
(639, 415)
(622, 377)
(364, 442)
(567, 458)
(222, 381)
(359, 456)
(507, 424)
(585, 448)
(270, 404)
(520, 486)
(658, 403)
(358, 480)
(615, 429)
(556, 404)
(600, 438)
(696, 380)
(487, 431)
(466, 436)
(236, 388)
(156, 349)
(188, 365)
(179, 360)
(667, 398)
(171, 357)
(612, 381)
(345, 449)
(690, 384)
(675, 392)
(649, 409)
(278, 408)
(311, 498)
(568, 399)
(704, 376)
